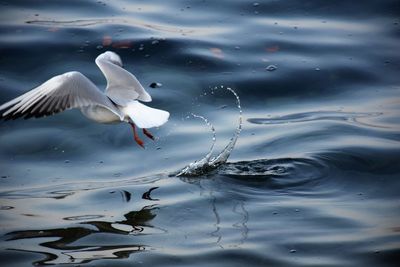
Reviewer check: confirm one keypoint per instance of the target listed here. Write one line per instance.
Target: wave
(315, 116)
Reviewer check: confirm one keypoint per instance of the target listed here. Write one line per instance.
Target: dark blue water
(314, 179)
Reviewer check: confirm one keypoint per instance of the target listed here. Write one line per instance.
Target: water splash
(202, 165)
(207, 163)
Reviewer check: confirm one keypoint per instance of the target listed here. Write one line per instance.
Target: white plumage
(144, 116)
(119, 103)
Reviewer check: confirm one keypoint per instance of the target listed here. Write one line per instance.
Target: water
(313, 179)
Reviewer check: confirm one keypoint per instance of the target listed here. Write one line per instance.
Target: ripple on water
(6, 207)
(83, 217)
(276, 173)
(313, 116)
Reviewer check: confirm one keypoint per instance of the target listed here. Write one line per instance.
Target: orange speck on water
(122, 44)
(107, 40)
(217, 52)
(273, 49)
(53, 29)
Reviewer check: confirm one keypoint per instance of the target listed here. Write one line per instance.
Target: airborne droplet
(271, 68)
(155, 85)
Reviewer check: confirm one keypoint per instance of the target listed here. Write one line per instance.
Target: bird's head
(111, 57)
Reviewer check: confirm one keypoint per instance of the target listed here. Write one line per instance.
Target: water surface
(313, 179)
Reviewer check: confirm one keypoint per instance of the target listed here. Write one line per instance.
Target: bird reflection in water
(67, 247)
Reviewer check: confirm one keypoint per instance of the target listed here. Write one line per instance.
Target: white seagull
(119, 103)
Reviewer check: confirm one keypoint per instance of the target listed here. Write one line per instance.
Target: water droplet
(155, 85)
(317, 69)
(293, 251)
(256, 4)
(271, 68)
(275, 212)
(155, 42)
(4, 176)
(66, 161)
(297, 210)
(237, 47)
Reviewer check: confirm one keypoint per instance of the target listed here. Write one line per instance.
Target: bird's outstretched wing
(65, 91)
(122, 86)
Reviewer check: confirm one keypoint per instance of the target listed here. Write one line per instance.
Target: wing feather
(28, 104)
(122, 86)
(65, 91)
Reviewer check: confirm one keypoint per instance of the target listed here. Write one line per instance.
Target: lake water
(314, 178)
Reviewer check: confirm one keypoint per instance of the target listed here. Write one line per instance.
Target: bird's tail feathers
(144, 116)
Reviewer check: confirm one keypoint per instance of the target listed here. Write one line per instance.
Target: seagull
(121, 101)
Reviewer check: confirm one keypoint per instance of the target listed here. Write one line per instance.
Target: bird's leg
(148, 134)
(135, 135)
